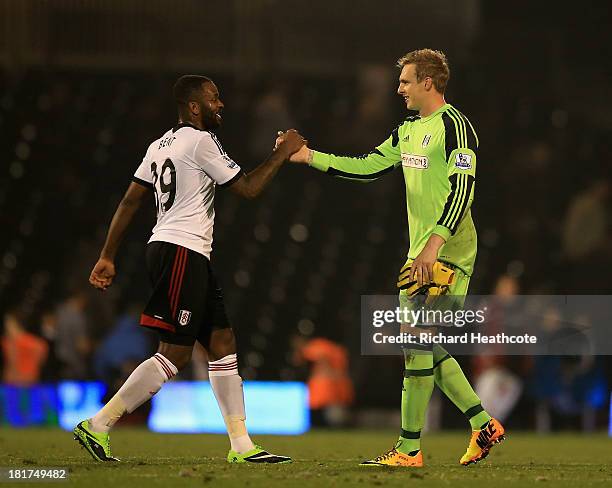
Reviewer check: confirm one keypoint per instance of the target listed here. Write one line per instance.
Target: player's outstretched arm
(252, 184)
(104, 271)
(369, 167)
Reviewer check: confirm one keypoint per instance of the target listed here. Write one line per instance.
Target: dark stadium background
(86, 85)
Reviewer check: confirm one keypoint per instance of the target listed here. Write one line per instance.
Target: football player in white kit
(183, 168)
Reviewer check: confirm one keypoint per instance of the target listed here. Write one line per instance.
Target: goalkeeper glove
(443, 278)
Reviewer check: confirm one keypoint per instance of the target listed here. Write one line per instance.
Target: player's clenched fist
(302, 155)
(102, 274)
(290, 141)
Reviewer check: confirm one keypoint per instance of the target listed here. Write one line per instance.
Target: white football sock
(144, 382)
(227, 386)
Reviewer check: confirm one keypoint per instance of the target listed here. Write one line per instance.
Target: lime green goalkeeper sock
(418, 385)
(450, 379)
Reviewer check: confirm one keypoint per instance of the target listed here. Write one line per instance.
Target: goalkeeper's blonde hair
(428, 63)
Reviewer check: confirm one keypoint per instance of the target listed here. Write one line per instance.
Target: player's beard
(211, 121)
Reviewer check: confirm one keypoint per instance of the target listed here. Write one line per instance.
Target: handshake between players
(302, 155)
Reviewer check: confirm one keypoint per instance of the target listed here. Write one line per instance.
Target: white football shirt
(183, 167)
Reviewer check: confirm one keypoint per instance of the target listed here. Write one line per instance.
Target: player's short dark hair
(428, 63)
(186, 86)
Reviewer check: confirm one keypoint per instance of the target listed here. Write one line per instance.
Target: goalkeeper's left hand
(422, 267)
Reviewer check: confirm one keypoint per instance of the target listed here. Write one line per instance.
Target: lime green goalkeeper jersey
(437, 154)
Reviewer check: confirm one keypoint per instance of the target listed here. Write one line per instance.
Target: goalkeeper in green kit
(437, 153)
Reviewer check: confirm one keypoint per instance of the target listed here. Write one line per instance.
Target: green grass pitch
(321, 458)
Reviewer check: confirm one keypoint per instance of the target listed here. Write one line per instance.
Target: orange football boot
(482, 441)
(396, 459)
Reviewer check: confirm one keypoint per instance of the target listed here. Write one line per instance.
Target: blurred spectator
(374, 93)
(48, 331)
(271, 113)
(586, 236)
(125, 346)
(24, 353)
(72, 342)
(497, 383)
(329, 386)
(568, 389)
(587, 225)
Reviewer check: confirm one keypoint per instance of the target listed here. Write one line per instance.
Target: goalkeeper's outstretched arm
(369, 167)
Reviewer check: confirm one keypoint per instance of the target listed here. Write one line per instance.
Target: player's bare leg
(144, 382)
(227, 387)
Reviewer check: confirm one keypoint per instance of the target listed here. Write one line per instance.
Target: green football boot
(257, 455)
(96, 443)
